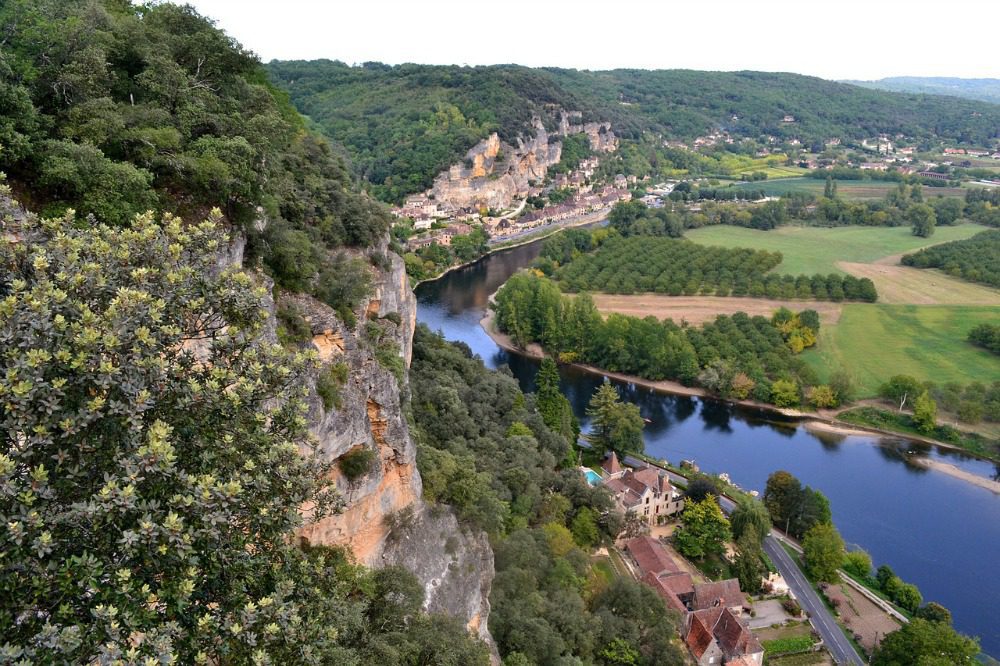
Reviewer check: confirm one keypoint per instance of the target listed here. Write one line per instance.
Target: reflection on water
(936, 531)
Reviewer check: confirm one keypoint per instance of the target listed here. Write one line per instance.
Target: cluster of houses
(715, 627)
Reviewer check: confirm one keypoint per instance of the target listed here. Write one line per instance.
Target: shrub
(292, 326)
(357, 462)
(328, 384)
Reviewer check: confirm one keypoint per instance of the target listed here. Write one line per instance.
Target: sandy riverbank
(958, 473)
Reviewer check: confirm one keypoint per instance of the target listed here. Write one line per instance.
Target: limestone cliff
(493, 172)
(385, 521)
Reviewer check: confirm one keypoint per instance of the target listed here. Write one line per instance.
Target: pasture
(872, 342)
(808, 250)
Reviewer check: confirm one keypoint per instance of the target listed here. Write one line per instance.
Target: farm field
(697, 310)
(920, 286)
(848, 189)
(872, 342)
(809, 250)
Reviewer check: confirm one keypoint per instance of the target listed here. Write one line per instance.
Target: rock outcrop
(493, 172)
(385, 521)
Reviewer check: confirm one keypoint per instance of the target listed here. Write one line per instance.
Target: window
(647, 500)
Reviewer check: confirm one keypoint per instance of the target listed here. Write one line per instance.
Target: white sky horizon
(849, 39)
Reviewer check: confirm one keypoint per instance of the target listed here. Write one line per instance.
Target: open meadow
(872, 342)
(809, 250)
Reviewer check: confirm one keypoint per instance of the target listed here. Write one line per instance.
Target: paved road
(838, 645)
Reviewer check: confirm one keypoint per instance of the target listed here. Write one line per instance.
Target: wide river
(936, 531)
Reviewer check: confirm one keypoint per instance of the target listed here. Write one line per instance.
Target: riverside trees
(735, 356)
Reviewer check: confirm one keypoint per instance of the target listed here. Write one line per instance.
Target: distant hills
(402, 124)
(984, 90)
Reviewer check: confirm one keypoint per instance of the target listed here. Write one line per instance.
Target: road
(838, 645)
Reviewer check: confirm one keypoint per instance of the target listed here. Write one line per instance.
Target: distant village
(498, 188)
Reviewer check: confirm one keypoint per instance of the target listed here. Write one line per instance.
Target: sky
(833, 39)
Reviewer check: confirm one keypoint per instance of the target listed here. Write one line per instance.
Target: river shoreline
(543, 233)
(810, 421)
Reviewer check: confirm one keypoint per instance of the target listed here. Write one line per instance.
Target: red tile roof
(670, 586)
(651, 556)
(699, 636)
(726, 591)
(611, 464)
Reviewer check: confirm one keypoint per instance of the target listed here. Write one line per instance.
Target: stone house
(646, 492)
(717, 636)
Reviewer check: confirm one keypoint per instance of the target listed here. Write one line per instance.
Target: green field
(848, 189)
(817, 249)
(873, 342)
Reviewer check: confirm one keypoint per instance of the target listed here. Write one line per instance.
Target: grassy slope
(816, 250)
(874, 342)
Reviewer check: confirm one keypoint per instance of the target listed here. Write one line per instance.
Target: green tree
(749, 562)
(617, 426)
(781, 495)
(823, 551)
(922, 218)
(923, 642)
(934, 612)
(554, 407)
(901, 389)
(859, 563)
(704, 530)
(785, 393)
(584, 528)
(822, 396)
(925, 413)
(750, 514)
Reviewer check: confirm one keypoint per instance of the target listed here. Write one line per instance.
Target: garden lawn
(873, 342)
(812, 250)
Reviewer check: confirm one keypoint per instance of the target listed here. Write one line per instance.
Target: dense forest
(734, 356)
(640, 264)
(112, 109)
(403, 124)
(975, 259)
(489, 450)
(984, 90)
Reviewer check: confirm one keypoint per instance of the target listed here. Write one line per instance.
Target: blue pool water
(593, 478)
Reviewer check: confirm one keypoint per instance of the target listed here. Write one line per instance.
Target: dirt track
(699, 309)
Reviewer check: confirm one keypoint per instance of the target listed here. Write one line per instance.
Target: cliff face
(493, 173)
(385, 521)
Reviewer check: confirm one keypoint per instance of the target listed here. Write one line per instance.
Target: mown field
(848, 189)
(872, 342)
(808, 250)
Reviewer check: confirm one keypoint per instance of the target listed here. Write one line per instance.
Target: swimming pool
(593, 478)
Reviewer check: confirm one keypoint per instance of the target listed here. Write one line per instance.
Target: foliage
(556, 411)
(859, 563)
(530, 308)
(793, 506)
(823, 552)
(976, 259)
(638, 264)
(703, 531)
(925, 413)
(292, 326)
(357, 462)
(617, 426)
(750, 514)
(329, 381)
(749, 562)
(934, 612)
(116, 108)
(924, 642)
(923, 219)
(986, 336)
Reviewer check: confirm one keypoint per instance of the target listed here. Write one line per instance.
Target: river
(934, 530)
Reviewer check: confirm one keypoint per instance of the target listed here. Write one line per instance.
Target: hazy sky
(836, 39)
